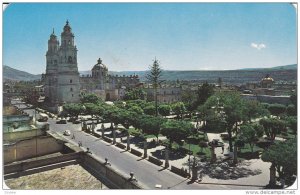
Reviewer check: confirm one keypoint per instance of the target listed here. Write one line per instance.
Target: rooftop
(69, 177)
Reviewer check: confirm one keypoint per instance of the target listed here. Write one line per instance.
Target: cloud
(258, 46)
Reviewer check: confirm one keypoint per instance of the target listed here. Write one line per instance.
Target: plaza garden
(215, 132)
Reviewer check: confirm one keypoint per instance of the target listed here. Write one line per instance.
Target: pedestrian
(73, 137)
(222, 149)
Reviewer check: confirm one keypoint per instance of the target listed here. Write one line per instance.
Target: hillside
(283, 73)
(18, 75)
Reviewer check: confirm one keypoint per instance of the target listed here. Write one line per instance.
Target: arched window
(70, 59)
(71, 81)
(69, 42)
(71, 89)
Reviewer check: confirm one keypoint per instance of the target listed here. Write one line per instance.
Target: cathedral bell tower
(62, 76)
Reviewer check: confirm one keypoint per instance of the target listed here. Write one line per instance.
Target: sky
(129, 36)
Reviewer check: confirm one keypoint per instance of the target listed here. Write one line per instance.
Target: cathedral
(63, 83)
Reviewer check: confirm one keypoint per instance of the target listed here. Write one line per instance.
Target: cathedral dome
(267, 78)
(99, 65)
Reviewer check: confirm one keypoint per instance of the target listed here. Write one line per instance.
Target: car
(76, 121)
(62, 121)
(67, 132)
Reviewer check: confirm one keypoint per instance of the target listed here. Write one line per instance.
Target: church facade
(62, 81)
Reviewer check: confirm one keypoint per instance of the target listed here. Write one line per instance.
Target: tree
(283, 156)
(273, 127)
(254, 110)
(91, 98)
(176, 130)
(250, 134)
(291, 110)
(203, 93)
(110, 114)
(292, 123)
(164, 110)
(293, 99)
(136, 109)
(93, 109)
(73, 109)
(230, 108)
(188, 97)
(150, 110)
(277, 109)
(150, 125)
(154, 77)
(179, 109)
(135, 94)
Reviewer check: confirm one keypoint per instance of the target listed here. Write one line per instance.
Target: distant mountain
(18, 75)
(283, 73)
(286, 67)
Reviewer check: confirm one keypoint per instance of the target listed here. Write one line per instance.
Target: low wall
(20, 135)
(180, 172)
(136, 152)
(155, 161)
(120, 145)
(116, 179)
(107, 139)
(30, 148)
(33, 163)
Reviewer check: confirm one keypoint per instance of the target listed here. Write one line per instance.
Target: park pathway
(218, 150)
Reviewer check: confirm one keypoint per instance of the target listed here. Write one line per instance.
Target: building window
(72, 95)
(71, 90)
(69, 42)
(71, 81)
(70, 59)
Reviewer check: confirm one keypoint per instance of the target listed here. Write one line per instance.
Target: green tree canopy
(176, 131)
(284, 156)
(150, 125)
(273, 126)
(135, 94)
(250, 134)
(203, 93)
(150, 110)
(164, 109)
(179, 109)
(277, 109)
(254, 109)
(230, 108)
(74, 109)
(154, 77)
(91, 98)
(292, 123)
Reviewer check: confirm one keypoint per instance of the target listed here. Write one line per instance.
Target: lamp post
(189, 158)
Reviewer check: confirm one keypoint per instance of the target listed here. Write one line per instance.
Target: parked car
(62, 121)
(67, 132)
(76, 121)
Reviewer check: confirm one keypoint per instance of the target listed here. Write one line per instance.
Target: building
(108, 87)
(62, 82)
(165, 94)
(62, 77)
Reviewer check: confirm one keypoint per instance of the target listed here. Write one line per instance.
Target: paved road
(146, 173)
